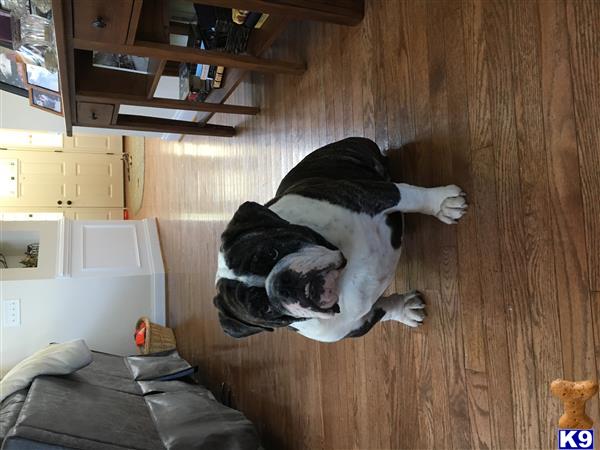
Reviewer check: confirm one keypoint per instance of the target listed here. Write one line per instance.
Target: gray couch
(122, 403)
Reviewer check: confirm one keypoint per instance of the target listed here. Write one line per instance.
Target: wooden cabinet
(94, 114)
(141, 28)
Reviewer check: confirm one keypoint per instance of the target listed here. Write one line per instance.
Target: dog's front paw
(408, 308)
(449, 203)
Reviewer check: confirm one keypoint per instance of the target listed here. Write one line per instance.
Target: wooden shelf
(157, 50)
(260, 40)
(343, 12)
(155, 124)
(142, 28)
(155, 69)
(137, 100)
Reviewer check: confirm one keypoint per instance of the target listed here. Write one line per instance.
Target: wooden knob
(99, 22)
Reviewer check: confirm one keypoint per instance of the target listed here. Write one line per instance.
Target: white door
(59, 179)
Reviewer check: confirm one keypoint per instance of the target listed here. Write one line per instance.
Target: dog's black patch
(361, 196)
(350, 173)
(349, 159)
(396, 222)
(375, 315)
(246, 310)
(257, 238)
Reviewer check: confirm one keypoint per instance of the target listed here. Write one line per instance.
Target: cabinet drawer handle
(59, 202)
(69, 202)
(94, 116)
(99, 22)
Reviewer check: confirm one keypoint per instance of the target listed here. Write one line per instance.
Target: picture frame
(6, 31)
(40, 77)
(12, 75)
(46, 100)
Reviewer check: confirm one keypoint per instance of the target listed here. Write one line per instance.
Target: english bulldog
(318, 257)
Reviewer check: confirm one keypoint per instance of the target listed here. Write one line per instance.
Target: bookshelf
(93, 95)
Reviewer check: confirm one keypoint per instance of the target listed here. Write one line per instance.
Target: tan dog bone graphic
(574, 395)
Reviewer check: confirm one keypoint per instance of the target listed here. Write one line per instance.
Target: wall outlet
(11, 313)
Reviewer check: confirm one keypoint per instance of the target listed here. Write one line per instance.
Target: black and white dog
(319, 256)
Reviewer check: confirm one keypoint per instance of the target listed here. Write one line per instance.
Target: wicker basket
(158, 338)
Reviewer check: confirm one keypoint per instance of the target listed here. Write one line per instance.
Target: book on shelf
(261, 21)
(203, 71)
(116, 61)
(192, 87)
(248, 18)
(218, 80)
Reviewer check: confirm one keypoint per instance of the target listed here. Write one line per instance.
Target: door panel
(97, 180)
(41, 179)
(94, 214)
(95, 144)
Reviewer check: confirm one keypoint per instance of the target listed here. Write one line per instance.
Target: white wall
(100, 310)
(15, 112)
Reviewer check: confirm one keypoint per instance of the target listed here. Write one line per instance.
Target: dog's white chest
(364, 240)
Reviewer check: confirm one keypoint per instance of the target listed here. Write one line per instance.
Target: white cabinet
(118, 248)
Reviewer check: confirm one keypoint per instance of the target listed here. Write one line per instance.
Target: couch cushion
(190, 420)
(107, 371)
(9, 411)
(164, 365)
(65, 413)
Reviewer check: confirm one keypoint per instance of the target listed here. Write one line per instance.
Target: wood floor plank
(450, 309)
(422, 244)
(568, 225)
(499, 377)
(535, 201)
(512, 235)
(584, 36)
(459, 148)
(477, 73)
(471, 302)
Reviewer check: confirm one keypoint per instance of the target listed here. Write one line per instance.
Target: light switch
(11, 313)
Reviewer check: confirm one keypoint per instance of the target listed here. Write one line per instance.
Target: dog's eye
(273, 253)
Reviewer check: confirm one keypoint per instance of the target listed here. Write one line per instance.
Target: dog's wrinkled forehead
(257, 238)
(246, 310)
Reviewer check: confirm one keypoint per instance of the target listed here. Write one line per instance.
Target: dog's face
(279, 273)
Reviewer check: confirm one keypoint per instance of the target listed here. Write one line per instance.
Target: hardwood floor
(500, 97)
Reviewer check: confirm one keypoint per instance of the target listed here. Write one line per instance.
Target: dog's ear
(250, 216)
(241, 308)
(237, 329)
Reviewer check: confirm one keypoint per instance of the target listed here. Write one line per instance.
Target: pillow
(56, 359)
(163, 366)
